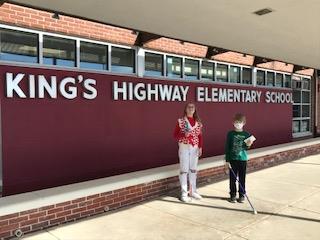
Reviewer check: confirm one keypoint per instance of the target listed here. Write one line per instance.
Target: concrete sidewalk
(287, 198)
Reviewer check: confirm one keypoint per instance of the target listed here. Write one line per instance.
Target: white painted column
(140, 62)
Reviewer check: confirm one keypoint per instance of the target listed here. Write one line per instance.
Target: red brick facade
(48, 216)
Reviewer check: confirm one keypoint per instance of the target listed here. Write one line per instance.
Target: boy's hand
(226, 167)
(249, 143)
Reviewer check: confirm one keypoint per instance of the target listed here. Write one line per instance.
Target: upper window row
(190, 69)
(24, 47)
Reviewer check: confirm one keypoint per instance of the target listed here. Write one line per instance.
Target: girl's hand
(200, 152)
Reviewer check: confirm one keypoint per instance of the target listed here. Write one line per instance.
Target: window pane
(270, 79)
(287, 82)
(260, 77)
(296, 111)
(18, 46)
(306, 111)
(305, 126)
(296, 96)
(246, 76)
(296, 126)
(58, 51)
(306, 84)
(93, 56)
(122, 60)
(191, 69)
(296, 84)
(222, 73)
(153, 64)
(207, 70)
(234, 74)
(174, 67)
(306, 97)
(279, 80)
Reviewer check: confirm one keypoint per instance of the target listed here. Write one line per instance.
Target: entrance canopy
(289, 33)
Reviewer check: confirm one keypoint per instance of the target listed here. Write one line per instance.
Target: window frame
(163, 73)
(38, 45)
(300, 119)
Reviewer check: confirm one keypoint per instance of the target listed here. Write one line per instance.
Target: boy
(236, 156)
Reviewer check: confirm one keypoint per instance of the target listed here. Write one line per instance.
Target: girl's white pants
(188, 157)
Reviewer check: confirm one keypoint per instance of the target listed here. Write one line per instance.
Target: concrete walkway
(287, 198)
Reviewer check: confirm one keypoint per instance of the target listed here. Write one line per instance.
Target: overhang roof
(291, 33)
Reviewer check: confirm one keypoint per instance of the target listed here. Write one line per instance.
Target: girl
(188, 134)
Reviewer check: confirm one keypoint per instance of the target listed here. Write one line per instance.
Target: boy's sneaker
(241, 199)
(196, 196)
(232, 199)
(185, 199)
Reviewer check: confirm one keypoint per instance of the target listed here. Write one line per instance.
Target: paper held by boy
(251, 139)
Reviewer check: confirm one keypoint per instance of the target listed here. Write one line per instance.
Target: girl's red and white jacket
(193, 136)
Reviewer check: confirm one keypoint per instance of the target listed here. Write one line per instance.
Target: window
(296, 126)
(191, 69)
(59, 51)
(222, 73)
(18, 46)
(261, 77)
(235, 74)
(153, 64)
(246, 76)
(296, 111)
(174, 67)
(279, 80)
(207, 70)
(301, 106)
(93, 56)
(287, 81)
(306, 83)
(270, 79)
(122, 60)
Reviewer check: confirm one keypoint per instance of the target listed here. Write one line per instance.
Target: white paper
(251, 138)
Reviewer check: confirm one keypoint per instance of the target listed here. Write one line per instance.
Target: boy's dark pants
(239, 168)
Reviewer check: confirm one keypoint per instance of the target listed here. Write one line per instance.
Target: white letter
(88, 85)
(200, 94)
(151, 92)
(72, 91)
(117, 90)
(12, 85)
(32, 86)
(268, 97)
(43, 84)
(184, 91)
(165, 92)
(140, 95)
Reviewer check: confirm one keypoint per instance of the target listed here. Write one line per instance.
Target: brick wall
(48, 216)
(42, 20)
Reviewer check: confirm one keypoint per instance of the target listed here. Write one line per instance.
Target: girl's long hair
(195, 114)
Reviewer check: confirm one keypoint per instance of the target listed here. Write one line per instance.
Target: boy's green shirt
(236, 148)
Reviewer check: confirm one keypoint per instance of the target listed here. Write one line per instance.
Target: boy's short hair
(239, 117)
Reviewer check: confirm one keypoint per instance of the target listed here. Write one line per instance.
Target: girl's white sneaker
(196, 196)
(185, 199)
